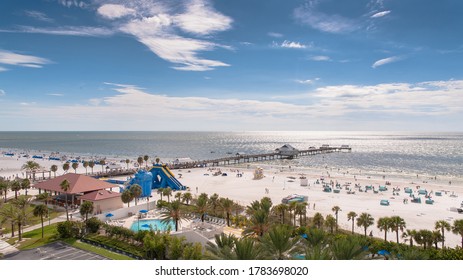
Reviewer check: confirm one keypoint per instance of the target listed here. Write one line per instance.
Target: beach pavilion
(79, 185)
(103, 200)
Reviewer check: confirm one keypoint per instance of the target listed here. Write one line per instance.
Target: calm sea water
(424, 153)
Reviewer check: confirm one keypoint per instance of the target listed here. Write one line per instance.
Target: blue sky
(231, 65)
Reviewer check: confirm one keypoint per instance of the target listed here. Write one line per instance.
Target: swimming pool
(152, 224)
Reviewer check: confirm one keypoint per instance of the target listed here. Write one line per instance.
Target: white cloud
(55, 94)
(38, 16)
(320, 58)
(71, 3)
(380, 14)
(113, 11)
(310, 15)
(2, 69)
(2, 92)
(11, 58)
(86, 31)
(384, 61)
(275, 34)
(307, 82)
(290, 45)
(200, 18)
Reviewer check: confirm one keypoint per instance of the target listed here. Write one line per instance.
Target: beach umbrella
(383, 253)
(144, 211)
(109, 215)
(145, 226)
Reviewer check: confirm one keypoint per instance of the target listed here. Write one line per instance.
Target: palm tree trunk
(41, 219)
(352, 226)
(365, 232)
(385, 235)
(67, 211)
(19, 232)
(228, 219)
(12, 229)
(397, 235)
(443, 238)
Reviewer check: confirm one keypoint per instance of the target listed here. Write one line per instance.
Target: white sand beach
(276, 179)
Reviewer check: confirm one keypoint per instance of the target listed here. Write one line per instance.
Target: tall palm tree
(281, 209)
(178, 196)
(365, 220)
(410, 235)
(187, 197)
(222, 248)
(292, 209)
(127, 161)
(349, 247)
(91, 164)
(140, 161)
(300, 209)
(437, 237)
(65, 186)
(53, 169)
(278, 243)
(214, 203)
(86, 208)
(40, 210)
(457, 228)
(75, 165)
(102, 163)
(385, 224)
(8, 215)
(146, 158)
(336, 210)
(318, 220)
(66, 167)
(85, 164)
(167, 192)
(31, 166)
(351, 217)
(25, 184)
(424, 237)
(258, 224)
(160, 191)
(247, 249)
(227, 206)
(127, 196)
(238, 209)
(4, 186)
(16, 187)
(22, 213)
(397, 223)
(173, 212)
(136, 191)
(330, 222)
(443, 226)
(201, 207)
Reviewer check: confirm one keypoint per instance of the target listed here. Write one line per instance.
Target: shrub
(93, 225)
(69, 229)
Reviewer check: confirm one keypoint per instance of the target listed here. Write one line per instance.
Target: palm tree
(140, 161)
(173, 212)
(227, 207)
(66, 167)
(187, 197)
(351, 216)
(397, 223)
(22, 215)
(8, 214)
(91, 164)
(258, 224)
(25, 184)
(223, 247)
(4, 186)
(65, 187)
(136, 191)
(281, 210)
(31, 166)
(102, 163)
(86, 208)
(365, 220)
(40, 210)
(457, 228)
(53, 169)
(278, 243)
(385, 224)
(301, 210)
(318, 220)
(167, 192)
(201, 207)
(424, 237)
(336, 209)
(145, 158)
(292, 208)
(246, 249)
(16, 187)
(443, 226)
(178, 196)
(410, 235)
(85, 164)
(437, 237)
(160, 191)
(127, 161)
(214, 203)
(75, 165)
(348, 247)
(238, 208)
(330, 222)
(127, 196)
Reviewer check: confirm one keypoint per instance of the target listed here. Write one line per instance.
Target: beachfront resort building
(103, 201)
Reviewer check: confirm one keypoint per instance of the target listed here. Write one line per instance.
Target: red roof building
(78, 184)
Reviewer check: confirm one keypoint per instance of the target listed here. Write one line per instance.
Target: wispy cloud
(3, 69)
(55, 94)
(2, 92)
(290, 45)
(72, 3)
(38, 16)
(275, 34)
(384, 61)
(11, 58)
(380, 14)
(113, 11)
(310, 14)
(307, 82)
(86, 31)
(320, 58)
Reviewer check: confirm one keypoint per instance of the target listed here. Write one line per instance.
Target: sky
(241, 65)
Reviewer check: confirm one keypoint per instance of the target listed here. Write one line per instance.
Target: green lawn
(97, 250)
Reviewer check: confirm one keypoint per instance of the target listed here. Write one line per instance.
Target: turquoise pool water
(152, 224)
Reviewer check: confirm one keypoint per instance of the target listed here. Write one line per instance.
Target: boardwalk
(262, 157)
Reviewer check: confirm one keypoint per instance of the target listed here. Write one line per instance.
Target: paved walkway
(6, 248)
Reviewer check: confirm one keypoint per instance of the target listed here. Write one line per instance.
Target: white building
(287, 150)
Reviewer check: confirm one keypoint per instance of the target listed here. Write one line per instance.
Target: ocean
(398, 152)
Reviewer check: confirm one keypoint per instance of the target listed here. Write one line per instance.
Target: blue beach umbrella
(144, 211)
(109, 215)
(145, 226)
(383, 253)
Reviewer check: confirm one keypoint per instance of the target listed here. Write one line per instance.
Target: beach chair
(429, 201)
(384, 202)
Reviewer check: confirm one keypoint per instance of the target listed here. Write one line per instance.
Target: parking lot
(55, 251)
